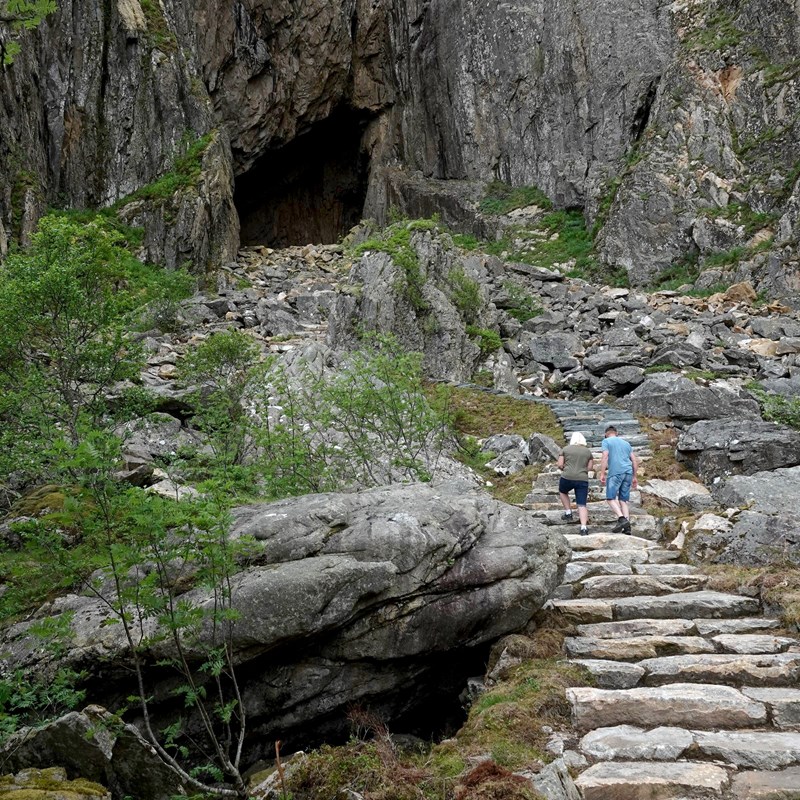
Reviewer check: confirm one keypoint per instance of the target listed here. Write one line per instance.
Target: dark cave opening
(312, 190)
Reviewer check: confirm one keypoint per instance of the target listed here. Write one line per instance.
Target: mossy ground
(503, 733)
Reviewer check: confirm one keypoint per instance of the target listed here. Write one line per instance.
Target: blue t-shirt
(619, 455)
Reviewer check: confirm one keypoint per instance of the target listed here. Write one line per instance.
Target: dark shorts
(619, 486)
(581, 489)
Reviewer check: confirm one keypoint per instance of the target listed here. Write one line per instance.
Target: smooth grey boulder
(556, 350)
(717, 448)
(361, 597)
(673, 395)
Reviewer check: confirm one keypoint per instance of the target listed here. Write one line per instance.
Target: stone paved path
(697, 692)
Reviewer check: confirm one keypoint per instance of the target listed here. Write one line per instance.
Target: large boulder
(373, 597)
(673, 395)
(93, 745)
(717, 448)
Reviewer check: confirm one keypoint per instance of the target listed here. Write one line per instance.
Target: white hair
(578, 438)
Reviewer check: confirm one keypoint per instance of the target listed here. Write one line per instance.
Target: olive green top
(576, 461)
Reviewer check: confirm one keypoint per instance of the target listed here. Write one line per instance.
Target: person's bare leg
(624, 510)
(583, 515)
(565, 501)
(614, 505)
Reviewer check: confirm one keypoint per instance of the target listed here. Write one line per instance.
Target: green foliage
(184, 173)
(368, 423)
(488, 340)
(500, 198)
(718, 32)
(524, 306)
(466, 241)
(776, 407)
(18, 16)
(685, 270)
(396, 241)
(27, 699)
(65, 307)
(466, 295)
(158, 30)
(743, 214)
(221, 369)
(656, 368)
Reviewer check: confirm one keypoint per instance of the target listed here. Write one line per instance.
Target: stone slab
(713, 627)
(753, 643)
(608, 541)
(629, 743)
(638, 627)
(651, 780)
(685, 604)
(635, 648)
(612, 674)
(580, 570)
(763, 750)
(783, 785)
(780, 669)
(783, 704)
(584, 610)
(627, 585)
(702, 706)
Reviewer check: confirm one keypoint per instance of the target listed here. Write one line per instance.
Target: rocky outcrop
(94, 746)
(714, 449)
(336, 110)
(367, 597)
(424, 311)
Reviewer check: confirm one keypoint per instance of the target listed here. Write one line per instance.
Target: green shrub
(488, 340)
(466, 295)
(500, 198)
(524, 306)
(776, 407)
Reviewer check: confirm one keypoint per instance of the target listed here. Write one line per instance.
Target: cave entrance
(312, 190)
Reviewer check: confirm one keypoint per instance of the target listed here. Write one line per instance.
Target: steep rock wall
(665, 123)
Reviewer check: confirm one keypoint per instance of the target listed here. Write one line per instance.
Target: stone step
(762, 785)
(754, 643)
(779, 669)
(626, 585)
(639, 627)
(609, 541)
(580, 570)
(676, 627)
(635, 648)
(762, 750)
(612, 674)
(783, 705)
(685, 605)
(665, 569)
(655, 555)
(599, 515)
(646, 780)
(696, 705)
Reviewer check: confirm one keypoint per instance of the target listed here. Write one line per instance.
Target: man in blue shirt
(621, 463)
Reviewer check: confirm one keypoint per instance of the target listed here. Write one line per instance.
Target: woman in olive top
(575, 462)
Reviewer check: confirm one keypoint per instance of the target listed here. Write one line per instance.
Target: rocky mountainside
(671, 128)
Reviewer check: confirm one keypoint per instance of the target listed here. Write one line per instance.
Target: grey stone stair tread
(639, 627)
(579, 570)
(762, 750)
(762, 785)
(712, 627)
(753, 643)
(696, 705)
(613, 556)
(583, 610)
(779, 669)
(685, 604)
(666, 569)
(783, 704)
(611, 674)
(652, 780)
(626, 585)
(635, 648)
(609, 541)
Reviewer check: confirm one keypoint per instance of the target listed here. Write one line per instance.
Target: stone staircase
(696, 692)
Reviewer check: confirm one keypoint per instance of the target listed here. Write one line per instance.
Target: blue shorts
(581, 489)
(618, 487)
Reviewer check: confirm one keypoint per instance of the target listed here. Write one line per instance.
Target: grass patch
(158, 31)
(778, 586)
(776, 407)
(662, 464)
(500, 198)
(523, 306)
(488, 340)
(466, 295)
(184, 173)
(742, 214)
(507, 721)
(481, 414)
(718, 32)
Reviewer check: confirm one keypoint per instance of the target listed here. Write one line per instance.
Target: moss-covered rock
(49, 784)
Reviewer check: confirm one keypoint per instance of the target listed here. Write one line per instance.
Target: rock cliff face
(673, 127)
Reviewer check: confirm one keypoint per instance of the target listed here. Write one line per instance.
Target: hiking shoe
(620, 526)
(584, 531)
(627, 529)
(567, 515)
